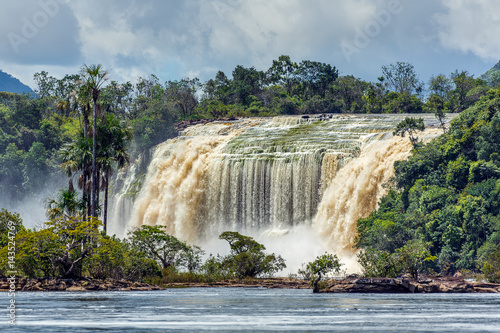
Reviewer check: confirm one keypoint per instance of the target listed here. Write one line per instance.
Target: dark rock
(55, 284)
(407, 285)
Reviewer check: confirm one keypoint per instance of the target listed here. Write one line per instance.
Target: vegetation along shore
(440, 215)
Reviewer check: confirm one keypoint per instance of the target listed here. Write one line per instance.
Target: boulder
(407, 285)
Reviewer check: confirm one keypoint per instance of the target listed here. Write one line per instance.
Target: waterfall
(356, 189)
(270, 177)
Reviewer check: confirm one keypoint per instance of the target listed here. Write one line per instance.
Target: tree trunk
(94, 168)
(85, 122)
(315, 284)
(105, 218)
(98, 190)
(84, 196)
(69, 267)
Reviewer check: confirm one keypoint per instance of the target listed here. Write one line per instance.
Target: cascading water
(281, 176)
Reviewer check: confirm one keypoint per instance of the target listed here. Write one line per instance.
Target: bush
(491, 268)
(247, 257)
(410, 258)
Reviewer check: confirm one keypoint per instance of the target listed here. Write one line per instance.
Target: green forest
(446, 196)
(440, 216)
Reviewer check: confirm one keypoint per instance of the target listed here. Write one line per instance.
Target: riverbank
(347, 285)
(406, 285)
(270, 283)
(57, 284)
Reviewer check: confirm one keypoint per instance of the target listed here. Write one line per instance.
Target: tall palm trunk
(105, 219)
(93, 79)
(86, 121)
(95, 186)
(84, 196)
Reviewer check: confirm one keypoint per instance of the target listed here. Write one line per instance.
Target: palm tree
(94, 77)
(112, 151)
(65, 205)
(77, 161)
(83, 100)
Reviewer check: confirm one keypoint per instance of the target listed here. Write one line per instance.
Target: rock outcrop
(182, 125)
(75, 285)
(407, 285)
(347, 285)
(121, 285)
(270, 283)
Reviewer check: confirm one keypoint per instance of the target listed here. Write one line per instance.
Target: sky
(174, 39)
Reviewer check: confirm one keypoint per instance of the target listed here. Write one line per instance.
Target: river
(251, 310)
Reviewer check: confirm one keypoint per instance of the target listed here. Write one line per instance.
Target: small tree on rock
(323, 265)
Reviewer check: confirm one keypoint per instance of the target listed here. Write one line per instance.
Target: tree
(464, 82)
(183, 95)
(401, 77)
(118, 99)
(112, 150)
(374, 96)
(152, 116)
(76, 159)
(350, 92)
(35, 168)
(323, 265)
(316, 77)
(436, 103)
(410, 126)
(413, 255)
(377, 263)
(193, 258)
(59, 249)
(46, 84)
(66, 204)
(248, 258)
(246, 82)
(440, 86)
(282, 72)
(402, 103)
(491, 268)
(94, 77)
(11, 176)
(9, 221)
(116, 259)
(69, 247)
(164, 248)
(410, 258)
(219, 88)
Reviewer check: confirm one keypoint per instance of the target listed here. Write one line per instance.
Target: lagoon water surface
(251, 310)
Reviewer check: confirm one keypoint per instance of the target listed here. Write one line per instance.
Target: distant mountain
(10, 84)
(493, 74)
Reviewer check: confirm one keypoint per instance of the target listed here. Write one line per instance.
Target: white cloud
(196, 36)
(172, 38)
(38, 31)
(471, 26)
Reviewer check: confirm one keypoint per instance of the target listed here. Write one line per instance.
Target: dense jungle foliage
(441, 213)
(446, 195)
(76, 247)
(34, 129)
